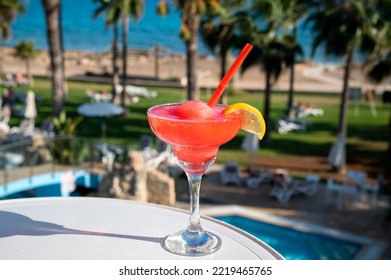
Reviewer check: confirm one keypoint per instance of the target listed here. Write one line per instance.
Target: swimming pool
(48, 184)
(299, 241)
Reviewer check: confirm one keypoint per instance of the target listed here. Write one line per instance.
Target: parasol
(102, 110)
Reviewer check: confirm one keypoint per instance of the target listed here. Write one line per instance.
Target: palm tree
(112, 19)
(269, 51)
(292, 12)
(343, 28)
(283, 17)
(379, 64)
(191, 12)
(380, 69)
(270, 55)
(52, 15)
(120, 10)
(134, 9)
(219, 32)
(25, 50)
(9, 9)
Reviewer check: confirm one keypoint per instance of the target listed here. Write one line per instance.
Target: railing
(31, 156)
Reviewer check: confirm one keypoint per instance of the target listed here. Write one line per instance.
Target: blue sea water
(82, 32)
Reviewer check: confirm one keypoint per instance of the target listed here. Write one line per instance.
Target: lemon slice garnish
(253, 120)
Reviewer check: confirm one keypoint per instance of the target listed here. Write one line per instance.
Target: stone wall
(137, 181)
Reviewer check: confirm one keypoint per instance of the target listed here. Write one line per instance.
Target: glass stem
(194, 188)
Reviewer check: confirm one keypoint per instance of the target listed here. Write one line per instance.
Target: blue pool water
(294, 244)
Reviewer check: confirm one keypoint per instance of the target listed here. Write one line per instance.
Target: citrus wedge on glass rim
(253, 120)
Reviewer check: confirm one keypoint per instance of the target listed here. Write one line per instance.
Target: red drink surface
(193, 138)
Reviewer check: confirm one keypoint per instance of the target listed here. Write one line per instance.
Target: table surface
(101, 228)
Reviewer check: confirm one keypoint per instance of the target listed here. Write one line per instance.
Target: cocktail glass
(195, 144)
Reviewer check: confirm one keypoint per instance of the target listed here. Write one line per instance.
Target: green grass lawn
(367, 136)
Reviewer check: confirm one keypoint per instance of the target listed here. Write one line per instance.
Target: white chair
(26, 127)
(357, 177)
(229, 174)
(370, 192)
(339, 194)
(159, 155)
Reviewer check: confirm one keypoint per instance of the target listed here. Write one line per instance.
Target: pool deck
(359, 219)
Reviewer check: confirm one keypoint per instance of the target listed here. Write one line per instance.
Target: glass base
(187, 243)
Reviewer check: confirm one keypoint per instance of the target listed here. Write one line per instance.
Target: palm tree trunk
(223, 57)
(28, 73)
(62, 51)
(193, 23)
(115, 78)
(156, 50)
(266, 138)
(52, 10)
(124, 57)
(342, 127)
(289, 107)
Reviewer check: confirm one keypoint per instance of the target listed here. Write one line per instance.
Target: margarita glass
(195, 136)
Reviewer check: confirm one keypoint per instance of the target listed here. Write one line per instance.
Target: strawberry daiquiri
(195, 130)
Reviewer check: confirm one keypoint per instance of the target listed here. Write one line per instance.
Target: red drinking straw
(228, 76)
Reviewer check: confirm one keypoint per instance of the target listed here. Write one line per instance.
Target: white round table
(100, 228)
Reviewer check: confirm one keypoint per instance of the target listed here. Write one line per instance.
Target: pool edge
(372, 249)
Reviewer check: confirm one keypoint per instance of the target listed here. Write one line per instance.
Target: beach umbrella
(251, 145)
(337, 154)
(102, 110)
(30, 111)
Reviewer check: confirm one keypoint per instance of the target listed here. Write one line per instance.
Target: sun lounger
(253, 182)
(285, 186)
(316, 112)
(98, 97)
(140, 91)
(284, 126)
(134, 91)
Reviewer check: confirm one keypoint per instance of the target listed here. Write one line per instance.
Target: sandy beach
(308, 76)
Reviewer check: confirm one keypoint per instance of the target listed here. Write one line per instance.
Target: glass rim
(187, 120)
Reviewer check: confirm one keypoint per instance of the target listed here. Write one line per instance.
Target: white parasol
(251, 145)
(30, 111)
(337, 156)
(102, 110)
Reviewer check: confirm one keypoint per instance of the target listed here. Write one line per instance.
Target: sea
(83, 32)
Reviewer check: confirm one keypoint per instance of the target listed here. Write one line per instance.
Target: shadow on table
(17, 224)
